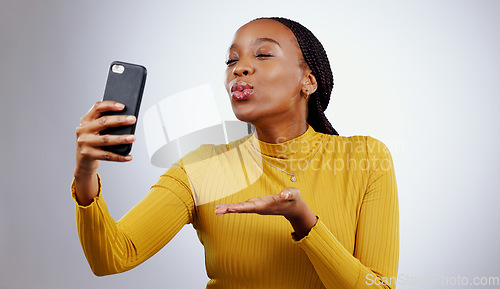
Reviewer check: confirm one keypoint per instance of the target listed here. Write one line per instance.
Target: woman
(336, 195)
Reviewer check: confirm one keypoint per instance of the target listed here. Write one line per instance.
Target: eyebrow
(260, 40)
(257, 41)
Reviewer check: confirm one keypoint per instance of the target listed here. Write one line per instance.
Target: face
(265, 74)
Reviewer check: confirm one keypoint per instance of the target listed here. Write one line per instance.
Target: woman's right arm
(113, 247)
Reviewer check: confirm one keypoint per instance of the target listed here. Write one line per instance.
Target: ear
(309, 84)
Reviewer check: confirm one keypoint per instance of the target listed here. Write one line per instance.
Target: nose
(242, 68)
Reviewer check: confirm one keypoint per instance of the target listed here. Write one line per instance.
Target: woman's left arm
(374, 263)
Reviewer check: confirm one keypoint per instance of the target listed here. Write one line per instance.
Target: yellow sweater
(349, 184)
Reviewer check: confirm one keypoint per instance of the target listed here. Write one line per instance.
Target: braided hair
(315, 57)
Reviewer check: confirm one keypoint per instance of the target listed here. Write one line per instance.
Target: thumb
(287, 195)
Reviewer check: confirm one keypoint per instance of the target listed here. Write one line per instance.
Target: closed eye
(261, 55)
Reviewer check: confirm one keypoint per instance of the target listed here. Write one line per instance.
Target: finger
(254, 205)
(99, 154)
(286, 195)
(104, 140)
(230, 208)
(243, 207)
(100, 107)
(105, 122)
(221, 209)
(290, 194)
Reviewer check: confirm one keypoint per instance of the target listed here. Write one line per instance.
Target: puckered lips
(241, 90)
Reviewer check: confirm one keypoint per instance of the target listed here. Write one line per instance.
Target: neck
(279, 133)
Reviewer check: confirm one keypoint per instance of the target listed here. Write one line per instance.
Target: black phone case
(127, 88)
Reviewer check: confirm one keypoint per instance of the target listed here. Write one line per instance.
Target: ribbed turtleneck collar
(302, 146)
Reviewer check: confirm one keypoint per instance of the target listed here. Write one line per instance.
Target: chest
(335, 198)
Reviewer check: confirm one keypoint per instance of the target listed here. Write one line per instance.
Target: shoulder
(357, 144)
(364, 153)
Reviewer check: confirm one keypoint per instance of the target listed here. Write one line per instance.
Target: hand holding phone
(111, 123)
(88, 147)
(108, 124)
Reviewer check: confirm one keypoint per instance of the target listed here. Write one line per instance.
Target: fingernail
(128, 158)
(130, 118)
(119, 105)
(130, 138)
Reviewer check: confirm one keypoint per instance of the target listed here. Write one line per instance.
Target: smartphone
(125, 84)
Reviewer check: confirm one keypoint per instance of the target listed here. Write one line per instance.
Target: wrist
(302, 222)
(82, 174)
(87, 187)
(85, 171)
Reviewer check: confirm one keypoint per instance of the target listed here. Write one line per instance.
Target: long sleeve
(376, 253)
(113, 247)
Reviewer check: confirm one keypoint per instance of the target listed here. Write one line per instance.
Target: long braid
(315, 57)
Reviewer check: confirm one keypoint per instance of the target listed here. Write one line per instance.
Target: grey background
(422, 76)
